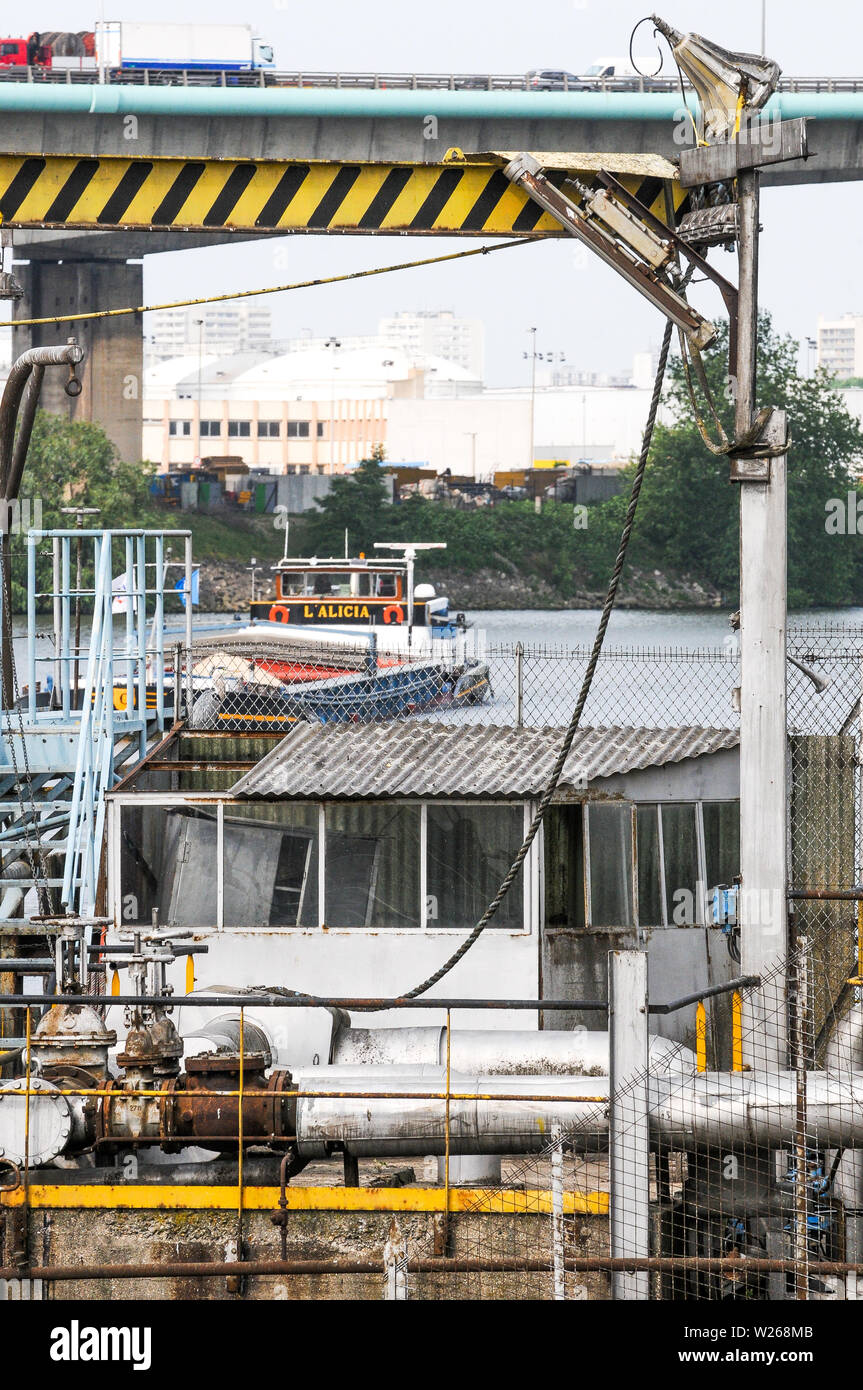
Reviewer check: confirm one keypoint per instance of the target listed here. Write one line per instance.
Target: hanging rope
(270, 289)
(587, 681)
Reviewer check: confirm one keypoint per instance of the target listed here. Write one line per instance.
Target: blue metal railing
(112, 703)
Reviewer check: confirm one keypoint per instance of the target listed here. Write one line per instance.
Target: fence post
(178, 662)
(629, 1132)
(395, 1265)
(557, 1245)
(519, 684)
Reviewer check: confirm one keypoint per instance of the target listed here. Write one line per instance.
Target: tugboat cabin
(356, 592)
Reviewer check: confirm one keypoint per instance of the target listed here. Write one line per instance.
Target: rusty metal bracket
(703, 266)
(751, 454)
(526, 172)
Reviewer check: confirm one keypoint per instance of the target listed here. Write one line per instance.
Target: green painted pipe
(317, 103)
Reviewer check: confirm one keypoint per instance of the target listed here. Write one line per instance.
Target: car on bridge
(553, 80)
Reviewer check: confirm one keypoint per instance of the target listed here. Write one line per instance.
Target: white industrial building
(322, 409)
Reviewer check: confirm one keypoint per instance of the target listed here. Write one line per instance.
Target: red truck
(40, 50)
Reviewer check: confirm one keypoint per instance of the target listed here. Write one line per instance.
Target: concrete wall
(113, 370)
(365, 130)
(64, 1236)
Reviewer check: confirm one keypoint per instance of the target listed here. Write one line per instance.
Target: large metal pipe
(404, 1126)
(67, 354)
(705, 1110)
(488, 1052)
(386, 1112)
(25, 379)
(316, 102)
(13, 896)
(844, 1053)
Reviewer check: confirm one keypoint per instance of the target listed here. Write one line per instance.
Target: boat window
(292, 585)
(327, 585)
(372, 865)
(610, 865)
(271, 866)
(469, 850)
(386, 586)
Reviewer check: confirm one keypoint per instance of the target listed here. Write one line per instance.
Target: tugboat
(341, 639)
(327, 597)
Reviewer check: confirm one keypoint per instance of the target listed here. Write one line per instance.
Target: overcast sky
(810, 259)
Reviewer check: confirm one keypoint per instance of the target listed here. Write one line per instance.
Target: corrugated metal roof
(338, 761)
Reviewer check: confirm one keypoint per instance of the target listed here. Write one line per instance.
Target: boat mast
(409, 551)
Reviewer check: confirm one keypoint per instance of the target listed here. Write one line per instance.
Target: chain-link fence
(739, 1181)
(238, 684)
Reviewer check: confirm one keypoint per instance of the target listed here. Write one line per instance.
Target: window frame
(633, 868)
(218, 801)
(702, 912)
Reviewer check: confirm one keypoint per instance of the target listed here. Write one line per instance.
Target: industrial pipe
(386, 1112)
(488, 1052)
(428, 1264)
(702, 1110)
(321, 103)
(844, 1053)
(68, 354)
(26, 374)
(13, 896)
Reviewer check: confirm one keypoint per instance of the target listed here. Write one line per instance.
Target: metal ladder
(80, 723)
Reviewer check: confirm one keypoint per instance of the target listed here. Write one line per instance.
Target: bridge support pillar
(113, 370)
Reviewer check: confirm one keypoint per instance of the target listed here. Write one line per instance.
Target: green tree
(355, 503)
(688, 514)
(72, 463)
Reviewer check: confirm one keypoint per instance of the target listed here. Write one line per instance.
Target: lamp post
(333, 344)
(200, 324)
(532, 332)
(471, 435)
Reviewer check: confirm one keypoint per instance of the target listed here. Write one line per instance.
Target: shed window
(372, 865)
(469, 849)
(680, 858)
(378, 865)
(609, 834)
(650, 890)
(270, 866)
(721, 841)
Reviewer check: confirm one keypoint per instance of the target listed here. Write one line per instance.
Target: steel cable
(268, 289)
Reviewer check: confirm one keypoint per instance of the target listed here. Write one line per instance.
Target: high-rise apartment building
(221, 328)
(840, 345)
(437, 333)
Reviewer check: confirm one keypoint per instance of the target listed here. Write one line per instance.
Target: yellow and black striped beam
(457, 198)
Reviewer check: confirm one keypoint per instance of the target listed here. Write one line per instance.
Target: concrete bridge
(81, 169)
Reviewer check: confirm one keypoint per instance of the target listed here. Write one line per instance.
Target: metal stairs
(82, 719)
